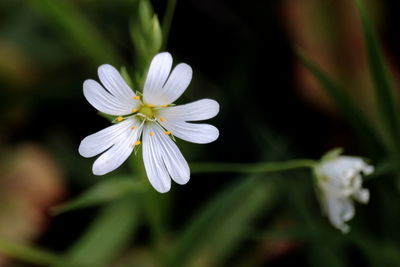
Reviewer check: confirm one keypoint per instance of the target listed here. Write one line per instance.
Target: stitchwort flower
(339, 179)
(149, 120)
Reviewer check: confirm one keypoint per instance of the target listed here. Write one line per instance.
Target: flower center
(147, 111)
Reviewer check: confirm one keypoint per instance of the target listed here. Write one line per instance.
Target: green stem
(31, 255)
(210, 167)
(152, 206)
(166, 24)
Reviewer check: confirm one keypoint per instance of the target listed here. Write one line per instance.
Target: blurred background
(244, 55)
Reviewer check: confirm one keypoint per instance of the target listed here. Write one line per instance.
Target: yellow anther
(151, 133)
(120, 118)
(167, 132)
(137, 143)
(134, 110)
(164, 106)
(133, 127)
(150, 105)
(161, 119)
(136, 97)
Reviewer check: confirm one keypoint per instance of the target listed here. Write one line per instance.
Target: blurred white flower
(339, 179)
(151, 120)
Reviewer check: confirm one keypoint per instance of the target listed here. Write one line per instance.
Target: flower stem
(211, 167)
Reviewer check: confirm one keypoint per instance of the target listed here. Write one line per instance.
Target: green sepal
(332, 154)
(110, 118)
(126, 77)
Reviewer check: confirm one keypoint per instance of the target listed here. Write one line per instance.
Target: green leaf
(216, 231)
(103, 192)
(385, 94)
(378, 252)
(33, 255)
(109, 233)
(370, 136)
(77, 30)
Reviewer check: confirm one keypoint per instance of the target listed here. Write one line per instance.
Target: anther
(134, 110)
(136, 97)
(164, 106)
(167, 132)
(120, 118)
(150, 105)
(151, 133)
(137, 143)
(161, 119)
(133, 127)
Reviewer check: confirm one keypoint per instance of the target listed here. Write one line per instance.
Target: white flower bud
(339, 179)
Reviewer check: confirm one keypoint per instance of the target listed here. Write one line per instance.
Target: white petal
(103, 101)
(152, 158)
(199, 110)
(176, 84)
(339, 211)
(114, 83)
(117, 154)
(157, 75)
(191, 132)
(172, 157)
(368, 169)
(362, 196)
(96, 143)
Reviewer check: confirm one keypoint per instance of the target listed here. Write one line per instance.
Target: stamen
(120, 118)
(164, 106)
(134, 110)
(151, 133)
(150, 105)
(133, 127)
(161, 119)
(167, 132)
(137, 143)
(136, 97)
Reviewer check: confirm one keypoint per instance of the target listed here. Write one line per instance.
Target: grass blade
(103, 192)
(218, 228)
(108, 234)
(167, 21)
(77, 30)
(32, 255)
(385, 93)
(351, 112)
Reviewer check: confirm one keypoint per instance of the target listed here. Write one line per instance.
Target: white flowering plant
(99, 187)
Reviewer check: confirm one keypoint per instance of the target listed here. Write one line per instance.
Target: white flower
(151, 120)
(340, 181)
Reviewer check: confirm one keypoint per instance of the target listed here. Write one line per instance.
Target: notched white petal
(96, 143)
(172, 157)
(203, 109)
(192, 132)
(157, 75)
(152, 158)
(176, 84)
(120, 151)
(114, 83)
(103, 101)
